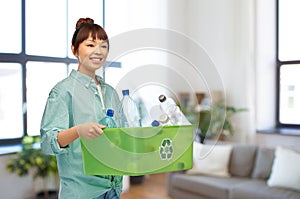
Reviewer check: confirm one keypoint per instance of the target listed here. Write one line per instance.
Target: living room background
(239, 38)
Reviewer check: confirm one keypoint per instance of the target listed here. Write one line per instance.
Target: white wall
(12, 186)
(265, 62)
(226, 31)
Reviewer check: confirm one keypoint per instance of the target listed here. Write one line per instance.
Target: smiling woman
(72, 111)
(90, 46)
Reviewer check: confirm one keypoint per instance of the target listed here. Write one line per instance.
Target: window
(11, 114)
(45, 32)
(288, 63)
(34, 55)
(38, 89)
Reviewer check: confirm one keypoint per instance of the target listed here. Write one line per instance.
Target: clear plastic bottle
(169, 107)
(108, 119)
(164, 120)
(128, 112)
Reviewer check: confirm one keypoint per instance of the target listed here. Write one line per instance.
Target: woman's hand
(90, 130)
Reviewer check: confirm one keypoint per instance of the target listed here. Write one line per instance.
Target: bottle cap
(155, 123)
(125, 92)
(164, 118)
(162, 98)
(110, 112)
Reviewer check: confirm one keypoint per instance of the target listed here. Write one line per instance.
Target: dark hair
(85, 27)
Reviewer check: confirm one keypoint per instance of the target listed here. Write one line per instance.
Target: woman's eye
(104, 46)
(90, 45)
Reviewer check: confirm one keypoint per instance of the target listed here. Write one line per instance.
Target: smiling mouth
(96, 59)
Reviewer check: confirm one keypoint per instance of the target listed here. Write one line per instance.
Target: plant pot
(136, 179)
(202, 138)
(46, 187)
(47, 195)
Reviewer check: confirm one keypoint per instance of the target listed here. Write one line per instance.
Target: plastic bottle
(128, 112)
(169, 107)
(164, 120)
(108, 119)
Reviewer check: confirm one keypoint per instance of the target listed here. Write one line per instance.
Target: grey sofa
(250, 167)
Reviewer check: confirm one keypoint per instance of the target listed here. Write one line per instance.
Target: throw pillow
(263, 163)
(211, 159)
(285, 170)
(242, 160)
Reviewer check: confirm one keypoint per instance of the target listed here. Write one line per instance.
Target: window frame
(279, 64)
(22, 58)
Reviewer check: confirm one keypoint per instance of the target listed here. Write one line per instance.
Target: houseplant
(216, 122)
(31, 159)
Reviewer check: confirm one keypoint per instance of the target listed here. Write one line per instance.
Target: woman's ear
(74, 52)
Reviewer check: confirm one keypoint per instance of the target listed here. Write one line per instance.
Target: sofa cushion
(242, 160)
(263, 163)
(258, 189)
(208, 186)
(211, 159)
(285, 170)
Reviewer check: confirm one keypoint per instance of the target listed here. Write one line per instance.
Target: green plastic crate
(139, 151)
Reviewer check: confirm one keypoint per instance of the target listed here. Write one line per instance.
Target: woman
(73, 108)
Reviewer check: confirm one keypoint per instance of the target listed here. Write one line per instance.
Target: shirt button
(113, 184)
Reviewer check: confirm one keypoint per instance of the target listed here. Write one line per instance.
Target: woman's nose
(98, 49)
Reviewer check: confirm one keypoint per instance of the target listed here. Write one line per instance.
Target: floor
(152, 187)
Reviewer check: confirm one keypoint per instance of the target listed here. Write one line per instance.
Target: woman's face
(91, 55)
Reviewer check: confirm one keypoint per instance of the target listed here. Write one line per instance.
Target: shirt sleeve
(55, 119)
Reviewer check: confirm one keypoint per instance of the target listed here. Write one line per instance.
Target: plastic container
(108, 119)
(128, 113)
(146, 150)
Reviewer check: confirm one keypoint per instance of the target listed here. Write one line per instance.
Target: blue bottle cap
(125, 92)
(110, 112)
(155, 123)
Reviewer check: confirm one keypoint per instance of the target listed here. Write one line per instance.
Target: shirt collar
(84, 79)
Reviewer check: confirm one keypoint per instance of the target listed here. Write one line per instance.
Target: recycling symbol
(166, 149)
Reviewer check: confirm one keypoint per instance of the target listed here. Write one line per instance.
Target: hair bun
(82, 21)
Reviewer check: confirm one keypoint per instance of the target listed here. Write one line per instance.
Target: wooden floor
(152, 187)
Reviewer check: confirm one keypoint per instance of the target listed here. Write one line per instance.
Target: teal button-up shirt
(76, 100)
